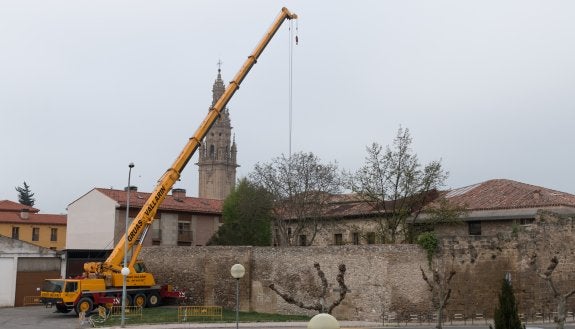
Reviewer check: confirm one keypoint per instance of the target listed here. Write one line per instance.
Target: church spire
(219, 87)
(218, 152)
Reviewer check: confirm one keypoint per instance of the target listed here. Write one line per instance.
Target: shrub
(430, 243)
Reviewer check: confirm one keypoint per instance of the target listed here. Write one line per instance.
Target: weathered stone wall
(523, 252)
(382, 278)
(379, 276)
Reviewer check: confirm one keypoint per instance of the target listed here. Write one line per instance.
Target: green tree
(246, 216)
(302, 187)
(506, 316)
(396, 186)
(25, 195)
(430, 243)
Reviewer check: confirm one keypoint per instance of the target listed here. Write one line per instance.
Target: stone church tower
(217, 163)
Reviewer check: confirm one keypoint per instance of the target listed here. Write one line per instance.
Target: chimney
(131, 188)
(24, 214)
(179, 194)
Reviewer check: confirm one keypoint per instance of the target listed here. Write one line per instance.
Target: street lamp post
(125, 269)
(238, 272)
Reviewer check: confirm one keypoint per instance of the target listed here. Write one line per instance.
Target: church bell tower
(217, 163)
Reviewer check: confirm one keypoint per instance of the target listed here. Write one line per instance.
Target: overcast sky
(86, 87)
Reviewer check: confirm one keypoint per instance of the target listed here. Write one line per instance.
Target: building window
(53, 234)
(302, 240)
(16, 232)
(370, 238)
(338, 239)
(526, 221)
(474, 228)
(35, 234)
(277, 237)
(355, 238)
(184, 234)
(156, 232)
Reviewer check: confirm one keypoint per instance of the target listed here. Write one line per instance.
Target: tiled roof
(10, 212)
(7, 205)
(186, 204)
(489, 195)
(33, 218)
(508, 194)
(348, 205)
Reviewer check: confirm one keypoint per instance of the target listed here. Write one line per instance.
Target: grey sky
(88, 86)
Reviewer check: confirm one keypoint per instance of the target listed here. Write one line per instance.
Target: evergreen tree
(25, 196)
(247, 217)
(506, 316)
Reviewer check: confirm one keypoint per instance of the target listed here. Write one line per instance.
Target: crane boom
(101, 281)
(137, 230)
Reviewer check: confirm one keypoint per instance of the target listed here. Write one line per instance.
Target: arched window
(212, 151)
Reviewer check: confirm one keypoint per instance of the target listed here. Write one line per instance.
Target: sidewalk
(250, 325)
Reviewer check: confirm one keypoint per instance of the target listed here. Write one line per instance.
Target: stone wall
(379, 276)
(382, 278)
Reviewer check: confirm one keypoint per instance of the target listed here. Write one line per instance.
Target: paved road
(45, 318)
(36, 317)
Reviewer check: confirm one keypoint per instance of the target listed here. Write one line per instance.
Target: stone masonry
(384, 279)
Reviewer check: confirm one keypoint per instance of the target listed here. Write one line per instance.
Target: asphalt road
(36, 317)
(39, 317)
(46, 318)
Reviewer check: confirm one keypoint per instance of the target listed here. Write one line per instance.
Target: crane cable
(291, 37)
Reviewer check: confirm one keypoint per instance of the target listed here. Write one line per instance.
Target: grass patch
(169, 314)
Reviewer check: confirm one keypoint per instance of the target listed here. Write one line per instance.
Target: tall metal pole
(237, 272)
(237, 302)
(124, 272)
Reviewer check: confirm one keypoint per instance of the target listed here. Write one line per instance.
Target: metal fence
(186, 313)
(131, 310)
(31, 300)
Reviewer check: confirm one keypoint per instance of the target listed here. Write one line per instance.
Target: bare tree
(320, 305)
(439, 285)
(301, 187)
(396, 185)
(560, 298)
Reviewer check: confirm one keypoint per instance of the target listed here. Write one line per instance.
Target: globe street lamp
(125, 270)
(238, 272)
(323, 321)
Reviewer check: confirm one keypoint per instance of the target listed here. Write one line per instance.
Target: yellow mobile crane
(102, 283)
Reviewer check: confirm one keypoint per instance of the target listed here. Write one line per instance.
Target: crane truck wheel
(154, 299)
(85, 305)
(140, 300)
(128, 300)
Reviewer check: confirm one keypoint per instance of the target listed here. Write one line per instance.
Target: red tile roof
(10, 212)
(33, 218)
(186, 204)
(489, 195)
(508, 194)
(7, 205)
